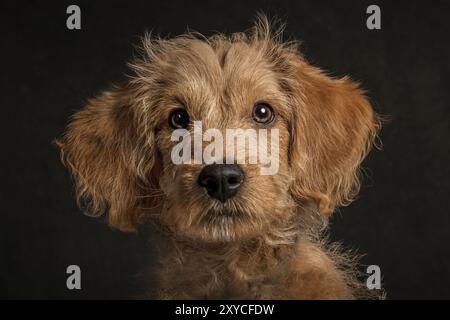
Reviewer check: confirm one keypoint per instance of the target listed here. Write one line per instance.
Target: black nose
(222, 181)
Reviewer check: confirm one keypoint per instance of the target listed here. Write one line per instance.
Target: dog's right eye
(179, 119)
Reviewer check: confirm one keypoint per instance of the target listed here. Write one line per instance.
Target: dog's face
(235, 87)
(120, 148)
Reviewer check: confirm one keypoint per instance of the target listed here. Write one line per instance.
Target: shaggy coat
(267, 242)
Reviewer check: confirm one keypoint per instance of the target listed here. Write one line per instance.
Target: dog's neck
(257, 245)
(234, 269)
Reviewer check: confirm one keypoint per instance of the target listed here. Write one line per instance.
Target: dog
(233, 233)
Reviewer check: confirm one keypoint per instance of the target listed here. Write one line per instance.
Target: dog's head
(120, 148)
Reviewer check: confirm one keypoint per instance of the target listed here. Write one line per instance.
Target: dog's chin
(222, 226)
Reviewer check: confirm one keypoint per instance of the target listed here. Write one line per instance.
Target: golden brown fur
(269, 243)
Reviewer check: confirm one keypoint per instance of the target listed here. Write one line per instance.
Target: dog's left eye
(263, 113)
(179, 119)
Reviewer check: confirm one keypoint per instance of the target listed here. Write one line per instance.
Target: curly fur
(270, 243)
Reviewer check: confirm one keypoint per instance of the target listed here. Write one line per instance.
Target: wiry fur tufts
(267, 241)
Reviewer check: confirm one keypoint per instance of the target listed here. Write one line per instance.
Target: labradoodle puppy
(233, 232)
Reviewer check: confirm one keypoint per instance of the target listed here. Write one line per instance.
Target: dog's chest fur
(240, 271)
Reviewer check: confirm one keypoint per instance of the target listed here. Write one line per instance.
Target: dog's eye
(179, 119)
(263, 113)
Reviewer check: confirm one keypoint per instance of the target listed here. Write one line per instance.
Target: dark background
(401, 219)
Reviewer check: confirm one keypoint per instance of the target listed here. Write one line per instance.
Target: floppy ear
(333, 129)
(112, 165)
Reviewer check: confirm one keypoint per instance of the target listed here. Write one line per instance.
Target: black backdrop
(400, 220)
